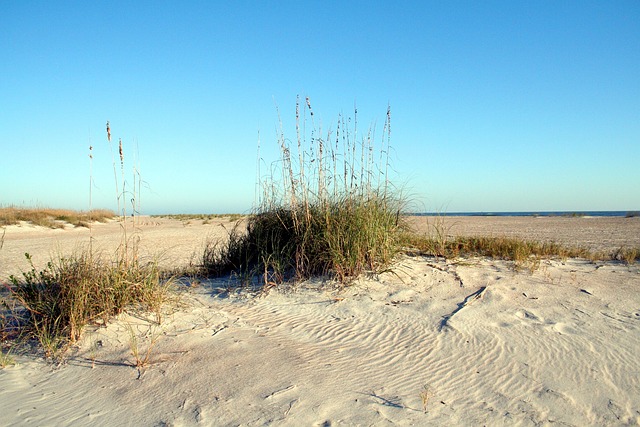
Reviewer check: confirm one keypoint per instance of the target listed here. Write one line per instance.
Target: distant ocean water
(536, 213)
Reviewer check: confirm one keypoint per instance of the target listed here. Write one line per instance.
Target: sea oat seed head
(108, 131)
(309, 105)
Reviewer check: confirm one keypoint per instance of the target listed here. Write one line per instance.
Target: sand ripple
(486, 344)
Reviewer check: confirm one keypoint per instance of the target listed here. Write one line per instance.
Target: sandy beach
(431, 342)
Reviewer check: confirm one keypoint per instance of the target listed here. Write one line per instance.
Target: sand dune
(472, 342)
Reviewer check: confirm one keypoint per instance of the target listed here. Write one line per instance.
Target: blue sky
(496, 105)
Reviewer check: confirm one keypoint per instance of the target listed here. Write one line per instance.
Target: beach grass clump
(142, 358)
(327, 208)
(341, 238)
(53, 218)
(72, 292)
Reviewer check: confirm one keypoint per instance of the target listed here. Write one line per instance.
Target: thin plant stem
(90, 199)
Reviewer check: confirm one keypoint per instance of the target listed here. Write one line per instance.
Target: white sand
(557, 346)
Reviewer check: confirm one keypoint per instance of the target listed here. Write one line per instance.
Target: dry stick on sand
(467, 301)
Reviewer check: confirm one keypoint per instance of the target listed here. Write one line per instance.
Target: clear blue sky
(496, 105)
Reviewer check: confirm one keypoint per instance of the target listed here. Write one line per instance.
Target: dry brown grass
(522, 252)
(202, 217)
(53, 218)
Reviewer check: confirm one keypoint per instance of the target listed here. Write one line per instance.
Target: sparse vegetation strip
(202, 217)
(520, 251)
(53, 218)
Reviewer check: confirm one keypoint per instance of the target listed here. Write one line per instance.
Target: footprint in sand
(564, 328)
(528, 316)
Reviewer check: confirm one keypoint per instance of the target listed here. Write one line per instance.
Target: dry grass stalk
(142, 358)
(425, 395)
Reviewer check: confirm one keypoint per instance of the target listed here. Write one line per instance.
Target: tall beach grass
(326, 207)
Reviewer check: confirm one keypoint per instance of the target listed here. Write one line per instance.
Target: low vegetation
(53, 218)
(506, 248)
(71, 292)
(341, 239)
(201, 217)
(629, 255)
(521, 251)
